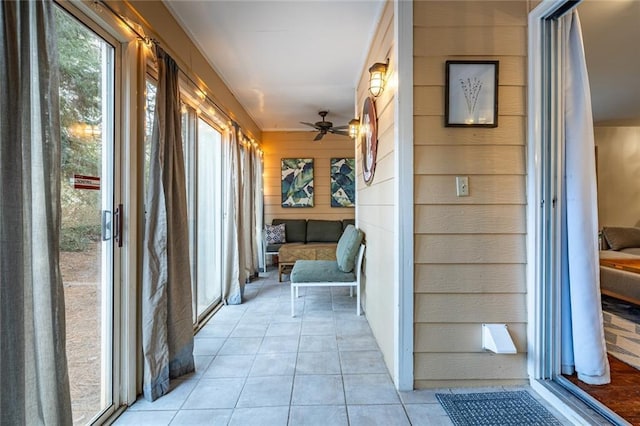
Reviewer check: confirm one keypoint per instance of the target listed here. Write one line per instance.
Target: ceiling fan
(324, 127)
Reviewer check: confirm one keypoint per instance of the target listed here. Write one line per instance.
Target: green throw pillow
(347, 249)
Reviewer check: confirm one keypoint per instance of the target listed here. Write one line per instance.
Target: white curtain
(167, 312)
(34, 385)
(582, 313)
(234, 275)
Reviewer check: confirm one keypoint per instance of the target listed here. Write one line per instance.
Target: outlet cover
(462, 186)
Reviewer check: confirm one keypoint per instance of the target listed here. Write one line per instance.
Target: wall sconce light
(354, 126)
(377, 74)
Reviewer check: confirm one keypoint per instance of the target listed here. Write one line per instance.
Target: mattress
(623, 254)
(617, 283)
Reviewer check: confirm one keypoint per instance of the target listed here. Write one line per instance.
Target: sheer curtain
(35, 385)
(234, 275)
(582, 325)
(167, 313)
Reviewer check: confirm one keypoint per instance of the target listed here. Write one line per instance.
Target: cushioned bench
(344, 271)
(302, 239)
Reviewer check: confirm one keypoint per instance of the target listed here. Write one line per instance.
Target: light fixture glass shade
(376, 78)
(354, 125)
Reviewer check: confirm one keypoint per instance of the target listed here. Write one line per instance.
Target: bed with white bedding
(620, 243)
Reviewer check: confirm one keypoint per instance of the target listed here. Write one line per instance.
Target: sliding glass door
(208, 225)
(87, 87)
(202, 144)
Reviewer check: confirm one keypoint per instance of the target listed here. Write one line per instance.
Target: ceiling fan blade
(318, 137)
(309, 124)
(346, 126)
(338, 132)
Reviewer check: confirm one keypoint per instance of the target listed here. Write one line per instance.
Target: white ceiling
(285, 60)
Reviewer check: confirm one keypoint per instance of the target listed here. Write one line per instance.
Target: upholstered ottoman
(291, 252)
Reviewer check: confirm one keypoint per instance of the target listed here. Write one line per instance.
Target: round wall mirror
(368, 139)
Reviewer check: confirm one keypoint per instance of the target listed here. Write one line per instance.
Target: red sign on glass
(86, 182)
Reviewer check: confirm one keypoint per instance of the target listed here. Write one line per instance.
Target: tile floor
(256, 365)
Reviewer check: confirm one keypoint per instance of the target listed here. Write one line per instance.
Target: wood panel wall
(469, 251)
(376, 209)
(278, 145)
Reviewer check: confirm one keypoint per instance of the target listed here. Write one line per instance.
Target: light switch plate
(462, 186)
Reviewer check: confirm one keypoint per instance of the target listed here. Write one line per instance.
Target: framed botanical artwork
(471, 94)
(297, 182)
(343, 182)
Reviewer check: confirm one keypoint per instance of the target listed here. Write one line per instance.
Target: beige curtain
(233, 261)
(247, 209)
(34, 382)
(167, 313)
(258, 205)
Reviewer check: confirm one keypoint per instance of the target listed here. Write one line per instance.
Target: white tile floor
(256, 365)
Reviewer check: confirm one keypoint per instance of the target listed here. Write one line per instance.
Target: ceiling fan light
(354, 126)
(377, 74)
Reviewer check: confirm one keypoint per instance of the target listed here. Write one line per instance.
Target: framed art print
(343, 182)
(297, 182)
(471, 94)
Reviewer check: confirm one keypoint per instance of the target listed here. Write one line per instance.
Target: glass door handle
(118, 218)
(106, 225)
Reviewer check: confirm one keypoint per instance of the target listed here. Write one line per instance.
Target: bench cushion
(347, 222)
(313, 271)
(323, 231)
(347, 249)
(295, 229)
(273, 248)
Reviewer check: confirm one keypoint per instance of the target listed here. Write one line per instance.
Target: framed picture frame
(343, 182)
(471, 94)
(297, 182)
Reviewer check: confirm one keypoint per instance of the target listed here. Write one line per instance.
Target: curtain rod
(207, 97)
(146, 39)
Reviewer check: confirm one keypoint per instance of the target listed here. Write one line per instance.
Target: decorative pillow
(620, 238)
(347, 249)
(275, 234)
